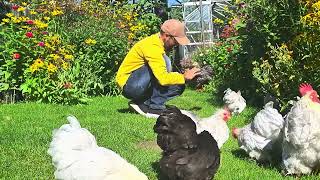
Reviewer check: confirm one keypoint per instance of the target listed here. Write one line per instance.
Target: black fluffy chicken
(186, 154)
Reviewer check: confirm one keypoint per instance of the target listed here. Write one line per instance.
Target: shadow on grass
(160, 175)
(214, 101)
(275, 164)
(124, 110)
(149, 145)
(195, 108)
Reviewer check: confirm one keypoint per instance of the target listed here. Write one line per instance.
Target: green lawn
(26, 131)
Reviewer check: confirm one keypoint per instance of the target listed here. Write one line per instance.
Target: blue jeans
(143, 87)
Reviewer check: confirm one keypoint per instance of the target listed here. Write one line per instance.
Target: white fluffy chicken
(301, 147)
(216, 124)
(261, 138)
(76, 156)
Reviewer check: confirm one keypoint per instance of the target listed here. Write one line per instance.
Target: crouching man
(145, 74)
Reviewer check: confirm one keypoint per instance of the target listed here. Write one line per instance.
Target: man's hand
(191, 73)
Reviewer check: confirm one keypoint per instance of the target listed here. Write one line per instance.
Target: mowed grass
(26, 132)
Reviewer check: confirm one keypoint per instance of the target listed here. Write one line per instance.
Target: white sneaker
(143, 110)
(136, 109)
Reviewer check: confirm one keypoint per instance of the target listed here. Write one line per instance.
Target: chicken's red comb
(304, 88)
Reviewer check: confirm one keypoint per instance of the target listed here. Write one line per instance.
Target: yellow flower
(40, 24)
(131, 36)
(9, 15)
(68, 57)
(15, 20)
(65, 65)
(127, 16)
(49, 46)
(283, 46)
(39, 63)
(46, 18)
(90, 41)
(33, 68)
(54, 56)
(218, 21)
(32, 12)
(23, 18)
(5, 20)
(55, 39)
(52, 68)
(316, 5)
(26, 27)
(56, 12)
(20, 9)
(24, 4)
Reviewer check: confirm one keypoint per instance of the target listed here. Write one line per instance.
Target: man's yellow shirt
(149, 50)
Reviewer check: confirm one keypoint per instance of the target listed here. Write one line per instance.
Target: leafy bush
(100, 48)
(305, 45)
(279, 70)
(34, 60)
(277, 73)
(63, 51)
(102, 36)
(221, 57)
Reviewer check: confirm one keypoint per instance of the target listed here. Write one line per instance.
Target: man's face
(170, 42)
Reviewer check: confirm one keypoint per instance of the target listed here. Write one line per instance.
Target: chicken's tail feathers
(73, 121)
(68, 142)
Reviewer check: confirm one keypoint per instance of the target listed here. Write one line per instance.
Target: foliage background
(94, 35)
(274, 52)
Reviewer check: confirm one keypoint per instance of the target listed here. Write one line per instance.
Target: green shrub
(34, 60)
(102, 36)
(221, 57)
(278, 74)
(279, 70)
(100, 47)
(305, 45)
(61, 51)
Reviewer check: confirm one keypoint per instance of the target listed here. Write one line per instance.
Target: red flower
(45, 32)
(16, 56)
(29, 22)
(15, 7)
(29, 34)
(41, 44)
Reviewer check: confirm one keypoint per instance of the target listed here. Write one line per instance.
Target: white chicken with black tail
(76, 156)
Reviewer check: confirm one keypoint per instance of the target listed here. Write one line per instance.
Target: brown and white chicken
(301, 142)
